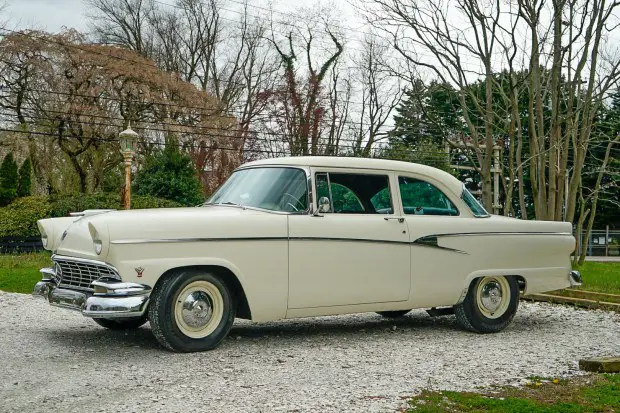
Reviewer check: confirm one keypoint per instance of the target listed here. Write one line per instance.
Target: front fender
(260, 268)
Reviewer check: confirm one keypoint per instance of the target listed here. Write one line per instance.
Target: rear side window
(355, 193)
(423, 198)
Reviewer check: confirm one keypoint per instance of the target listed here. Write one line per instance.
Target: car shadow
(361, 327)
(338, 325)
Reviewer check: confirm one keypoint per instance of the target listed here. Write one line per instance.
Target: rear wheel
(191, 311)
(121, 323)
(490, 304)
(393, 314)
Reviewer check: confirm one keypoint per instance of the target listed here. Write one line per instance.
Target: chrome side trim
(474, 234)
(422, 241)
(377, 241)
(175, 240)
(431, 241)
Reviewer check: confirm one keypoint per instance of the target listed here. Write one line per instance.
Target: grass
(585, 394)
(602, 277)
(19, 273)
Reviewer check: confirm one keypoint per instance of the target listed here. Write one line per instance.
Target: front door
(358, 252)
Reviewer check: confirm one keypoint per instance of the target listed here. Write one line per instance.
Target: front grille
(80, 274)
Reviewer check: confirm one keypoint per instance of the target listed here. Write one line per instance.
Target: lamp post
(128, 140)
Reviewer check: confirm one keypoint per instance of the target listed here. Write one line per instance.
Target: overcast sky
(49, 15)
(52, 15)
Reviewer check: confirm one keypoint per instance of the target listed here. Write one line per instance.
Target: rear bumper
(110, 298)
(575, 278)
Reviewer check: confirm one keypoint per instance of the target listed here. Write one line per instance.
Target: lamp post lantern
(128, 140)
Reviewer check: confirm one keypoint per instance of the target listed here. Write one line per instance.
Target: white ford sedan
(300, 237)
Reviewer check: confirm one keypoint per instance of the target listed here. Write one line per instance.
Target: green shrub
(146, 202)
(169, 174)
(19, 219)
(62, 205)
(8, 180)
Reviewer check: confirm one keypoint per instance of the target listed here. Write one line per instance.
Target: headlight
(98, 246)
(44, 240)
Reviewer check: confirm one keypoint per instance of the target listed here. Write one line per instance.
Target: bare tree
(81, 95)
(426, 37)
(381, 92)
(124, 23)
(300, 103)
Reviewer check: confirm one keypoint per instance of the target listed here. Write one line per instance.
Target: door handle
(400, 219)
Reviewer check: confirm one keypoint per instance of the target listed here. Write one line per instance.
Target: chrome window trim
(379, 172)
(399, 175)
(463, 189)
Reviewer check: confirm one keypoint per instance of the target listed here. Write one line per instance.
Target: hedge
(19, 218)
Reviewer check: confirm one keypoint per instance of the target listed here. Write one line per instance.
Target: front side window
(274, 189)
(355, 193)
(422, 198)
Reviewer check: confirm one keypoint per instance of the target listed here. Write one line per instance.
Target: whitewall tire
(191, 311)
(490, 304)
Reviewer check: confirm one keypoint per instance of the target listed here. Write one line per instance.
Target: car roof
(363, 163)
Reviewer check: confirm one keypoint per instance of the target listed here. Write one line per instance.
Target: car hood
(163, 225)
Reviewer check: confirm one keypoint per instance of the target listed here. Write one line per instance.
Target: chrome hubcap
(197, 309)
(491, 296)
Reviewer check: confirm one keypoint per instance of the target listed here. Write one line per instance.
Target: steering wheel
(295, 201)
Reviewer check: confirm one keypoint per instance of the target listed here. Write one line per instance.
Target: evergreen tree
(427, 115)
(169, 174)
(8, 180)
(24, 185)
(424, 119)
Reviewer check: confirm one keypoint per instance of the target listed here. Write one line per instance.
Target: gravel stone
(58, 360)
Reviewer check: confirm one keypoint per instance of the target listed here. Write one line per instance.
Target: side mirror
(324, 205)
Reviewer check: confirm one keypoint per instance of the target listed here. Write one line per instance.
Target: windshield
(473, 203)
(274, 189)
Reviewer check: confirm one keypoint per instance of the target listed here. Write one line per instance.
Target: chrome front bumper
(110, 298)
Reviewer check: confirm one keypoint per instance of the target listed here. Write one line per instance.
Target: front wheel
(191, 311)
(490, 304)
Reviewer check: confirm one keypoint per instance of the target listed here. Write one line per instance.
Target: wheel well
(228, 277)
(522, 283)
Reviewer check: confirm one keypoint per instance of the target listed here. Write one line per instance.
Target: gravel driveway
(57, 360)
